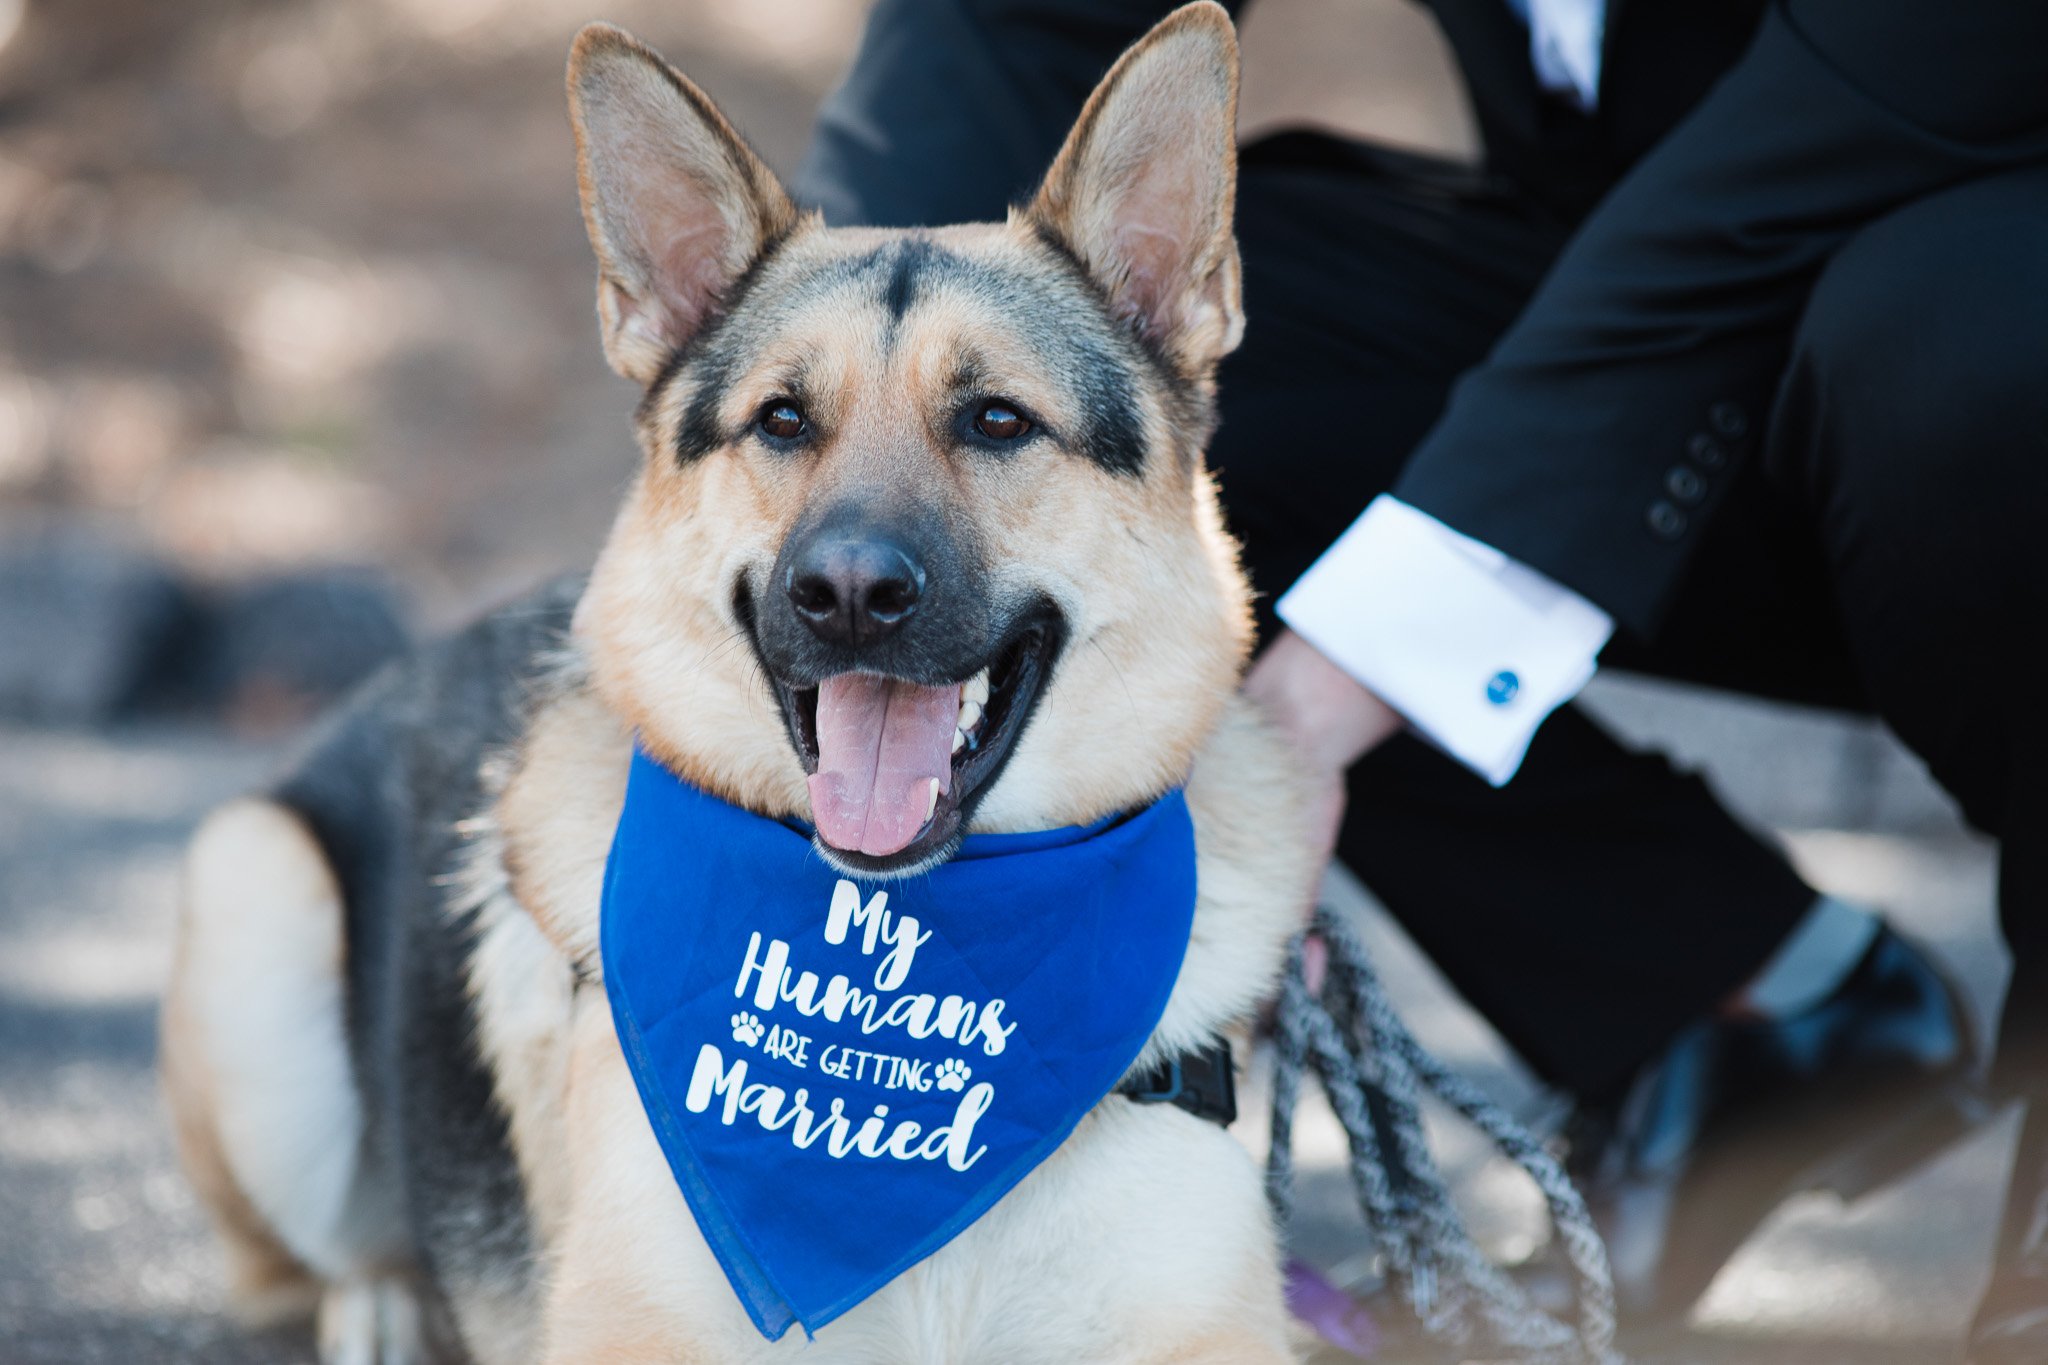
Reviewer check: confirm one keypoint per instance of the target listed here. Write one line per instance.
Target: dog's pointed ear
(677, 205)
(1144, 188)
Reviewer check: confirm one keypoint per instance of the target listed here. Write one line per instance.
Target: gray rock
(288, 643)
(83, 615)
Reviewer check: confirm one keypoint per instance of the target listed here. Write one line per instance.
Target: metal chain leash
(1376, 1075)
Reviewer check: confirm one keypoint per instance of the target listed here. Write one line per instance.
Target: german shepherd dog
(933, 495)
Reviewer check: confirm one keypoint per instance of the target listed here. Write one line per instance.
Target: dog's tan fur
(266, 1281)
(1145, 1238)
(1152, 590)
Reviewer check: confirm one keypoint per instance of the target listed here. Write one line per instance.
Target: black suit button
(1666, 521)
(1706, 452)
(1729, 419)
(1685, 485)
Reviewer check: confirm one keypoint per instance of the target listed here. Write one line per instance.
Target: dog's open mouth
(895, 766)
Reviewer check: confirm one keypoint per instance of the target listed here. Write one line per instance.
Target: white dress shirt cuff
(1475, 649)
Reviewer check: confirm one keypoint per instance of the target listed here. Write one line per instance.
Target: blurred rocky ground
(297, 361)
(297, 293)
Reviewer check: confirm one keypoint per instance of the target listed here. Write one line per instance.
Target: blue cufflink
(1502, 687)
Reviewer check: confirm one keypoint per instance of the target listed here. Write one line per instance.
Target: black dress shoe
(2011, 1327)
(1738, 1114)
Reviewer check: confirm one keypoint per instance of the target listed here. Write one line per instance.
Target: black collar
(1204, 1083)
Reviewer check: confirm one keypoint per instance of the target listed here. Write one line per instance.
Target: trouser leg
(1914, 424)
(1602, 900)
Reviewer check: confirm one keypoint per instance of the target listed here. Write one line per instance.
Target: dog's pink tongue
(881, 744)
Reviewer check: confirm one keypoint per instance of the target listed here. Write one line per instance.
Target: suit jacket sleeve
(1597, 441)
(954, 109)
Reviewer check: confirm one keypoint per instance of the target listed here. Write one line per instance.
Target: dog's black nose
(854, 592)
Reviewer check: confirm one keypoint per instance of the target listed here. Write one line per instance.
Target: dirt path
(104, 1257)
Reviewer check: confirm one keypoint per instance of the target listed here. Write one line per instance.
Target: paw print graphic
(952, 1074)
(746, 1029)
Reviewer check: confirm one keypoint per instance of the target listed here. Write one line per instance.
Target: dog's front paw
(370, 1322)
(952, 1074)
(746, 1029)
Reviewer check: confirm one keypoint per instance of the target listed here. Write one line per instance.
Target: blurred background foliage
(293, 285)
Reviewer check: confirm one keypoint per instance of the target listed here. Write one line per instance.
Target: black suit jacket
(1737, 146)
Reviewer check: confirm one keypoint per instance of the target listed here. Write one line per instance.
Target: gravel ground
(105, 1256)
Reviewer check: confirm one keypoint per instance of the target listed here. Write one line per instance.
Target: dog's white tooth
(959, 740)
(931, 802)
(976, 689)
(970, 716)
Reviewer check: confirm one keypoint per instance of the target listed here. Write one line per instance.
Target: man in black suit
(1730, 364)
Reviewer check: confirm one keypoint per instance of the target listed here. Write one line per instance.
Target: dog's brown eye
(999, 422)
(782, 421)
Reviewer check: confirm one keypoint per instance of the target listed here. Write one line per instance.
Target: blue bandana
(844, 1075)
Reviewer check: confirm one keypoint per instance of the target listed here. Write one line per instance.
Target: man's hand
(1329, 718)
